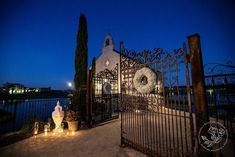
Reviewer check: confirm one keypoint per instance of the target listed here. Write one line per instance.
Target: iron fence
(220, 89)
(15, 113)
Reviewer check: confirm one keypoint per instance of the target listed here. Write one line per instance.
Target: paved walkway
(102, 141)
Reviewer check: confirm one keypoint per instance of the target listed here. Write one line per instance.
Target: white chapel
(109, 61)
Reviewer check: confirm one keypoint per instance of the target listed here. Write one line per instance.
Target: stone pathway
(102, 141)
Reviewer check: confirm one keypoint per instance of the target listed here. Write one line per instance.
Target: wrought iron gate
(105, 98)
(220, 89)
(158, 123)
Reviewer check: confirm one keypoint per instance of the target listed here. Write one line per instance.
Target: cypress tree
(80, 78)
(93, 76)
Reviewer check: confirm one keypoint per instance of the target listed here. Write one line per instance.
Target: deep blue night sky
(38, 37)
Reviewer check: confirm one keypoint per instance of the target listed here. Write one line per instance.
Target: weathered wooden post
(91, 96)
(120, 91)
(198, 80)
(89, 99)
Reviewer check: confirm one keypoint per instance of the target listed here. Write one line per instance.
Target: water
(15, 113)
(223, 103)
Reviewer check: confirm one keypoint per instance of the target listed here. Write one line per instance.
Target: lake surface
(15, 113)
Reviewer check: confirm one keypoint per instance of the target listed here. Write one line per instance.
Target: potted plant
(71, 117)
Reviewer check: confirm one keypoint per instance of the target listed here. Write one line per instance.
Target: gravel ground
(102, 141)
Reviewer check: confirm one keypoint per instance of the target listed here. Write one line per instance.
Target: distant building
(45, 89)
(15, 88)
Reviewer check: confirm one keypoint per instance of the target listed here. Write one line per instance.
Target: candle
(73, 133)
(45, 130)
(36, 125)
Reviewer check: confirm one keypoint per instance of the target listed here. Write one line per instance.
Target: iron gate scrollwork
(158, 123)
(105, 97)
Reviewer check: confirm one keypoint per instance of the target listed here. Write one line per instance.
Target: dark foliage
(93, 75)
(80, 78)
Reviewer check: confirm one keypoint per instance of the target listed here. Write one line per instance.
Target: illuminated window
(107, 63)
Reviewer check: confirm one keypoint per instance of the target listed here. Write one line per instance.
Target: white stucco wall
(108, 54)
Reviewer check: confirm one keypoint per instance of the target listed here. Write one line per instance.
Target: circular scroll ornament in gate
(107, 88)
(144, 80)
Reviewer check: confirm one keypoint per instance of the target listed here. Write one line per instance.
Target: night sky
(38, 37)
